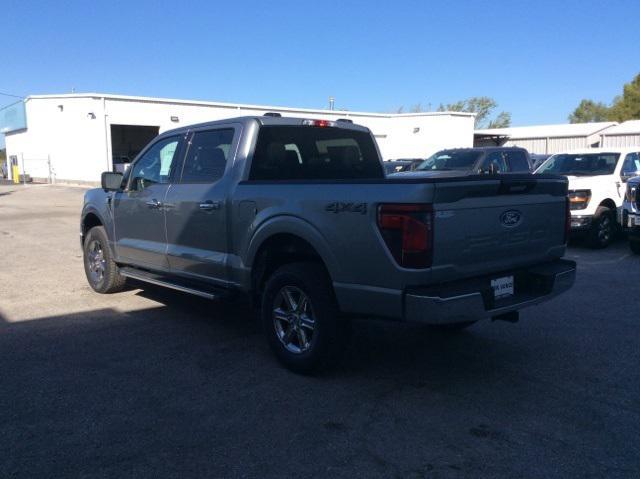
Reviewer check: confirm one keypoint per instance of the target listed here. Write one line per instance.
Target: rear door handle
(154, 204)
(210, 205)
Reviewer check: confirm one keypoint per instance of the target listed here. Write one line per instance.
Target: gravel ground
(153, 383)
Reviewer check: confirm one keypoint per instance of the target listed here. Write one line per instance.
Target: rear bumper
(473, 299)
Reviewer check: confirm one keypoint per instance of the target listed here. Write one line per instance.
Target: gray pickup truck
(298, 216)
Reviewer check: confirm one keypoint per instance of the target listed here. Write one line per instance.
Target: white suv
(597, 178)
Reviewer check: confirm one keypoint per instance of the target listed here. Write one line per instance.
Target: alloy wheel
(293, 319)
(604, 229)
(96, 261)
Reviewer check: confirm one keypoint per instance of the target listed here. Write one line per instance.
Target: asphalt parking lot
(151, 383)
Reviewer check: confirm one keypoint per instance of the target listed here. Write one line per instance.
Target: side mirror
(111, 181)
(627, 175)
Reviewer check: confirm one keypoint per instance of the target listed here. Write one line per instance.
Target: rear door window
(207, 156)
(314, 153)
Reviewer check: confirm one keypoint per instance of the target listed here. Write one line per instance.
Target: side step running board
(159, 280)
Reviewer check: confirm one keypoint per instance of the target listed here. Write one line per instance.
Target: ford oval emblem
(511, 218)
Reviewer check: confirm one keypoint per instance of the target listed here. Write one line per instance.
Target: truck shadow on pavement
(193, 385)
(190, 389)
(375, 345)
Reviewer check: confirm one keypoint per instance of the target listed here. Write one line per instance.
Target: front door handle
(154, 204)
(210, 205)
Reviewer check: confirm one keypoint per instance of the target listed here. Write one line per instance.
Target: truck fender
(106, 223)
(286, 224)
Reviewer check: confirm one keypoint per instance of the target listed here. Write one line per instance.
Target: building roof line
(629, 127)
(563, 130)
(240, 106)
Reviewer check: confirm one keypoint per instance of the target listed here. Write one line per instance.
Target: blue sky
(537, 59)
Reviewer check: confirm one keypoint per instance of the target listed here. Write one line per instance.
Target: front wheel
(603, 228)
(300, 318)
(102, 272)
(634, 246)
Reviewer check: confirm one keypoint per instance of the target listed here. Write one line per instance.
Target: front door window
(155, 165)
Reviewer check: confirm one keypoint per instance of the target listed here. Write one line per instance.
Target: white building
(73, 138)
(545, 139)
(622, 135)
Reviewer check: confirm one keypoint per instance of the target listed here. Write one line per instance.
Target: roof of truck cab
(263, 121)
(484, 149)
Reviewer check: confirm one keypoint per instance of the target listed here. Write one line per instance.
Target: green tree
(588, 111)
(503, 120)
(482, 106)
(627, 106)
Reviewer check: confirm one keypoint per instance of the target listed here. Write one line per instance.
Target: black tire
(634, 246)
(452, 327)
(603, 228)
(102, 272)
(313, 336)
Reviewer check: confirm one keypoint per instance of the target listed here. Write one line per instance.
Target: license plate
(502, 287)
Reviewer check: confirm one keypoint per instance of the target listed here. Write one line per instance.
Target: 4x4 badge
(340, 207)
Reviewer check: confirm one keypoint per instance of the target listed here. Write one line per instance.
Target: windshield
(450, 160)
(587, 164)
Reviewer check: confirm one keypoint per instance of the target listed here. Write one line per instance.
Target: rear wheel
(102, 272)
(603, 228)
(635, 246)
(301, 319)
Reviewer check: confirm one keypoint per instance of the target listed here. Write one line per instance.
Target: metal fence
(34, 169)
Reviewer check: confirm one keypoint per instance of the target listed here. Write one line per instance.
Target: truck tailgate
(497, 224)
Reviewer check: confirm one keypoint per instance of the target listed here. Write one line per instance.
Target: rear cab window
(495, 162)
(517, 161)
(314, 153)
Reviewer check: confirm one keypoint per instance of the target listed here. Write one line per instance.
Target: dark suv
(491, 160)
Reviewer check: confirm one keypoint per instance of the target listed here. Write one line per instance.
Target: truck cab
(597, 178)
(474, 161)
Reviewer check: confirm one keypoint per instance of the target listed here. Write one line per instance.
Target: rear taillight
(407, 230)
(567, 220)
